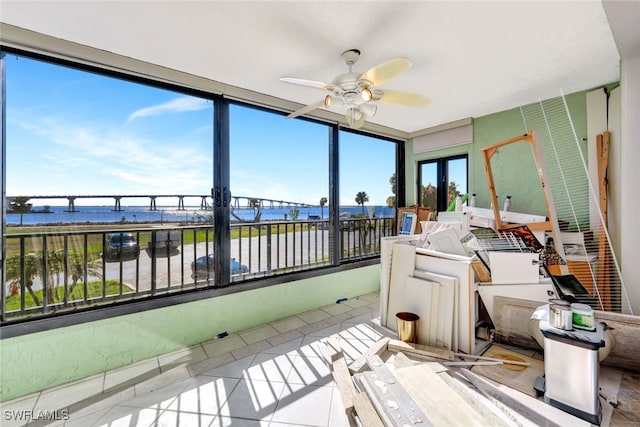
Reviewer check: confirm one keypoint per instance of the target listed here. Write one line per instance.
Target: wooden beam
(400, 409)
(366, 412)
(360, 363)
(507, 403)
(493, 359)
(442, 404)
(602, 283)
(417, 350)
(354, 402)
(341, 375)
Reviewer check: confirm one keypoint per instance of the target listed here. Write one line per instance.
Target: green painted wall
(514, 169)
(34, 362)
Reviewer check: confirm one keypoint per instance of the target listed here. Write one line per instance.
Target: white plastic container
(507, 204)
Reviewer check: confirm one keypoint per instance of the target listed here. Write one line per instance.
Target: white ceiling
(471, 58)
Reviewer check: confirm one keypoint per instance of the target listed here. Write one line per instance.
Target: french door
(441, 180)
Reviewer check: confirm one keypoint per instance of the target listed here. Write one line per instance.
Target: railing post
(269, 248)
(44, 274)
(153, 262)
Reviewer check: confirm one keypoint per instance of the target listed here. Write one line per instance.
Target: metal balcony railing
(63, 271)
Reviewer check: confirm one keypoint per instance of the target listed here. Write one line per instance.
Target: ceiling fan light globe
(369, 110)
(359, 123)
(353, 115)
(366, 94)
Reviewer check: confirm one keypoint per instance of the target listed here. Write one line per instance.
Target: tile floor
(271, 375)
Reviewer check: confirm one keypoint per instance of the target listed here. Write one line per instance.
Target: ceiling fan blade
(382, 73)
(306, 109)
(305, 82)
(404, 98)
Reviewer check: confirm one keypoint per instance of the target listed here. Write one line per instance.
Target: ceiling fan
(359, 93)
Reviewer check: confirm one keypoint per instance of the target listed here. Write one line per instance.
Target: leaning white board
(447, 314)
(434, 301)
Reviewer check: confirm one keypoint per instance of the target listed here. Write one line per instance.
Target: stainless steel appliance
(571, 368)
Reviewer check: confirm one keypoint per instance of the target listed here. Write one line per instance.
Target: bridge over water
(205, 201)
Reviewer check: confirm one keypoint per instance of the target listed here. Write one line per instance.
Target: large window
(279, 181)
(440, 181)
(122, 190)
(367, 192)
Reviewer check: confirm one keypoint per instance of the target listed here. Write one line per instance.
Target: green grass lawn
(95, 239)
(94, 291)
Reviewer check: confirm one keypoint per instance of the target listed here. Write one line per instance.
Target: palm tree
(391, 200)
(453, 192)
(31, 271)
(429, 197)
(323, 201)
(294, 213)
(20, 205)
(76, 267)
(257, 208)
(361, 198)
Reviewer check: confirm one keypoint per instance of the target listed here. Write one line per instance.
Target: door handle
(226, 197)
(216, 196)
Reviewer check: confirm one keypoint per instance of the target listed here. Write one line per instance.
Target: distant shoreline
(132, 215)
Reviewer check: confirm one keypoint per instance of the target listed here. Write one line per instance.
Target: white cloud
(178, 105)
(83, 159)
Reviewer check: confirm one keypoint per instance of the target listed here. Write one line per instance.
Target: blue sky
(73, 132)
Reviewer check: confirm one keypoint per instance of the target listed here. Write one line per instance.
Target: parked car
(203, 268)
(121, 246)
(166, 242)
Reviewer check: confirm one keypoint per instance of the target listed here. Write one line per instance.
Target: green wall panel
(513, 166)
(34, 362)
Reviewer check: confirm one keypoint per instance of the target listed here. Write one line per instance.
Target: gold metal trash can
(407, 326)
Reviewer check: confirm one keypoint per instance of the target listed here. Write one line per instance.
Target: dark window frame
(443, 178)
(221, 144)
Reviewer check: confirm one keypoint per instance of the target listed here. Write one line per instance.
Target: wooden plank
(368, 390)
(506, 402)
(441, 403)
(603, 284)
(473, 363)
(403, 410)
(476, 400)
(400, 360)
(360, 363)
(473, 398)
(418, 350)
(341, 375)
(365, 411)
(505, 361)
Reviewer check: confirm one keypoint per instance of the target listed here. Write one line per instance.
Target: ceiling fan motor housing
(351, 56)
